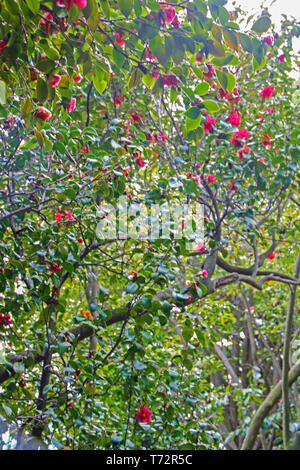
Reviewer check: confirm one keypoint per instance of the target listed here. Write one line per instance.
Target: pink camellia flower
(198, 165)
(144, 415)
(2, 45)
(251, 308)
(80, 241)
(267, 141)
(269, 40)
(77, 78)
(204, 273)
(155, 74)
(200, 248)
(210, 179)
(126, 172)
(85, 149)
(242, 134)
(170, 80)
(267, 92)
(169, 13)
(281, 58)
(54, 81)
(72, 105)
(209, 124)
(272, 255)
(235, 119)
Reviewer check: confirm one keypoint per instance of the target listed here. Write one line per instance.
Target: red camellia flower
(77, 78)
(170, 80)
(235, 119)
(209, 124)
(5, 319)
(210, 179)
(144, 415)
(269, 40)
(160, 137)
(54, 268)
(204, 273)
(272, 255)
(267, 92)
(42, 113)
(281, 58)
(69, 3)
(232, 186)
(176, 22)
(149, 56)
(80, 241)
(210, 71)
(54, 81)
(118, 99)
(244, 150)
(119, 39)
(2, 45)
(45, 21)
(72, 105)
(136, 117)
(169, 13)
(141, 162)
(267, 141)
(85, 149)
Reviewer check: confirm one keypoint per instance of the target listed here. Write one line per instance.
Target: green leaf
(216, 49)
(230, 39)
(231, 81)
(222, 79)
(2, 92)
(202, 89)
(26, 108)
(262, 24)
(149, 81)
(105, 8)
(211, 106)
(33, 5)
(246, 42)
(125, 6)
(134, 78)
(131, 288)
(192, 124)
(41, 90)
(193, 113)
(99, 84)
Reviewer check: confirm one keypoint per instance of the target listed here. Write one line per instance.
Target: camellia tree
(130, 341)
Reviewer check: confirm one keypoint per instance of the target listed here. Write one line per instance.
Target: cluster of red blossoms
(2, 45)
(64, 213)
(69, 3)
(144, 415)
(169, 15)
(54, 268)
(170, 80)
(5, 319)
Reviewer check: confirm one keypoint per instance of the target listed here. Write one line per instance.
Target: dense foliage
(141, 343)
